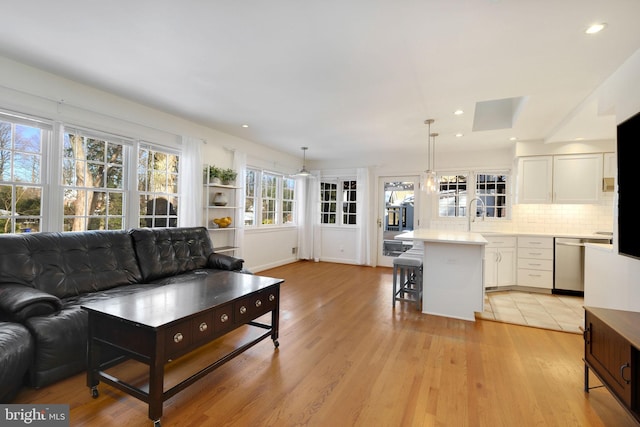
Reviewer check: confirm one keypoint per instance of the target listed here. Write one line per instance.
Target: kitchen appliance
(568, 271)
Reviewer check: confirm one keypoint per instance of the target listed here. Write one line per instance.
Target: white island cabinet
(452, 279)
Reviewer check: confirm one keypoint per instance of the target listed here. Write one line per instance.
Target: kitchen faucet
(484, 211)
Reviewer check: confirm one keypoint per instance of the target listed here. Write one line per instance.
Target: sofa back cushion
(166, 252)
(70, 263)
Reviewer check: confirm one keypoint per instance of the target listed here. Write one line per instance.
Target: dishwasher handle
(569, 244)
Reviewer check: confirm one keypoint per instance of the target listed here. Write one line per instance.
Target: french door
(398, 212)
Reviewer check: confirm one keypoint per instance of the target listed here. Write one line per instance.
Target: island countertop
(444, 236)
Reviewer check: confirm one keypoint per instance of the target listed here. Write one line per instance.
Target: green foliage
(228, 175)
(215, 172)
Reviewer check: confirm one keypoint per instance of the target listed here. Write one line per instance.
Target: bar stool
(407, 278)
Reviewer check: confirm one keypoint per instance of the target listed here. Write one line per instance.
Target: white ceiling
(340, 76)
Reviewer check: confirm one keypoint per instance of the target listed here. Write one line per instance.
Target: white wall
(269, 248)
(611, 280)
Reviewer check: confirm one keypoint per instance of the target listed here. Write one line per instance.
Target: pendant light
(431, 178)
(303, 171)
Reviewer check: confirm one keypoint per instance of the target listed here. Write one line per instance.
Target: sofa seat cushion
(16, 353)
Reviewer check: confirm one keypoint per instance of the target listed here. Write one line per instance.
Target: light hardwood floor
(347, 358)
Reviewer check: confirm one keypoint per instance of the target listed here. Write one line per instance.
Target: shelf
(224, 207)
(230, 187)
(222, 228)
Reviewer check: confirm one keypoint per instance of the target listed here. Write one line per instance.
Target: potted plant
(228, 176)
(215, 174)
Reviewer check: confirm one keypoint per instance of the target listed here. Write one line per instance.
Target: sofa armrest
(224, 262)
(19, 302)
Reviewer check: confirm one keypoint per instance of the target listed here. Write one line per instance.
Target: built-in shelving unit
(222, 201)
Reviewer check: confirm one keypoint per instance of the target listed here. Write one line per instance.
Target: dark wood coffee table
(164, 323)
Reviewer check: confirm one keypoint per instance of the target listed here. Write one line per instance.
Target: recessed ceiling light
(458, 112)
(595, 28)
(459, 135)
(579, 139)
(513, 138)
(245, 125)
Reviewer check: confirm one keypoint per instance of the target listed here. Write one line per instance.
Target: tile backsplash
(546, 218)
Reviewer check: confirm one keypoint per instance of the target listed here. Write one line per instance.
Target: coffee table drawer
(247, 309)
(223, 318)
(177, 339)
(202, 327)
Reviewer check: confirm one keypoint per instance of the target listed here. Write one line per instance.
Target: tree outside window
(92, 178)
(157, 187)
(21, 152)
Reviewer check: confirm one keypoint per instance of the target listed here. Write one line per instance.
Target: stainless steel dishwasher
(568, 269)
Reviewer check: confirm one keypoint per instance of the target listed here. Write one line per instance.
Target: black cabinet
(612, 352)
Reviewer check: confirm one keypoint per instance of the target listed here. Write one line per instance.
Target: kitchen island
(452, 279)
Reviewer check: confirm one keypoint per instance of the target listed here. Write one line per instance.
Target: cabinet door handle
(622, 368)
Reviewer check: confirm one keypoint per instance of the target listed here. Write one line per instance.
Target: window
(455, 193)
(250, 197)
(452, 195)
(288, 201)
(158, 187)
(270, 197)
(333, 201)
(492, 189)
(328, 202)
(349, 202)
(92, 178)
(88, 179)
(21, 187)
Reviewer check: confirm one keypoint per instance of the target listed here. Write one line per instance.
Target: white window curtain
(308, 228)
(363, 235)
(190, 202)
(240, 166)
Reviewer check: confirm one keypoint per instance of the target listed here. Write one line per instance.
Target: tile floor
(557, 312)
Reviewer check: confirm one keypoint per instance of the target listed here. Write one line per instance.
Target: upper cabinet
(573, 178)
(535, 179)
(577, 178)
(610, 169)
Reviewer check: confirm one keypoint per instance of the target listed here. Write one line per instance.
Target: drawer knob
(258, 303)
(203, 326)
(243, 309)
(224, 317)
(178, 337)
(272, 297)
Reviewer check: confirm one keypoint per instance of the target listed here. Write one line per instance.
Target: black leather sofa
(46, 277)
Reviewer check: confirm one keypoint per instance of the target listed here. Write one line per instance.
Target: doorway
(398, 202)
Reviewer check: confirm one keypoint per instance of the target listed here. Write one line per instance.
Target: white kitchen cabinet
(535, 262)
(610, 165)
(577, 178)
(535, 179)
(571, 178)
(500, 261)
